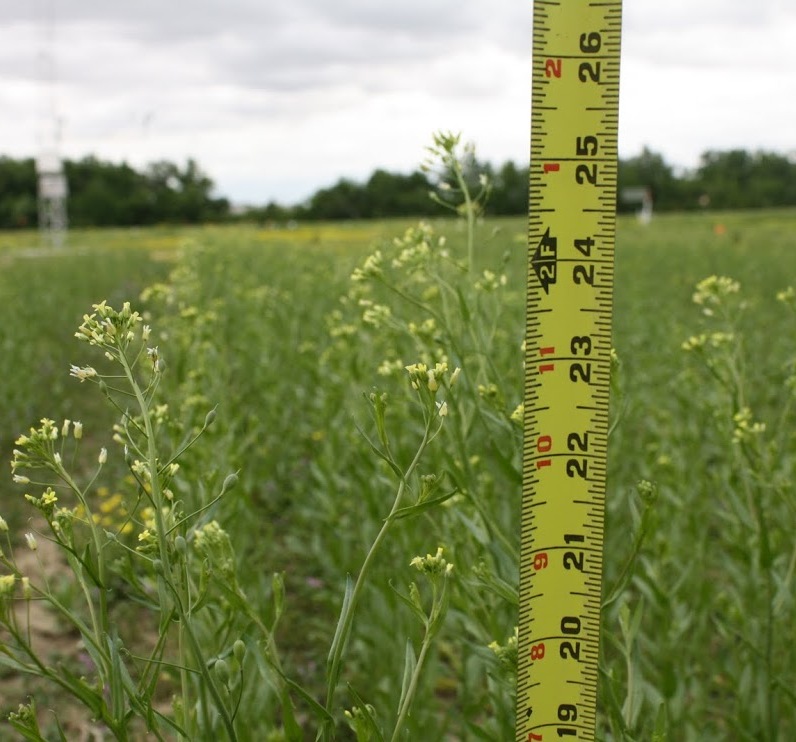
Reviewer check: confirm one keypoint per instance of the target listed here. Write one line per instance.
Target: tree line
(105, 194)
(111, 194)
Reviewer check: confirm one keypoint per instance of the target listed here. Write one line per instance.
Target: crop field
(292, 505)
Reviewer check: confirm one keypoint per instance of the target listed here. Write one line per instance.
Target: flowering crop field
(292, 507)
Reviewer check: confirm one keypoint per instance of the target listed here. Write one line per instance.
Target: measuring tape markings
(567, 364)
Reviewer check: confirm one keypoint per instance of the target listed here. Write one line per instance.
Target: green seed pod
(158, 566)
(181, 545)
(210, 417)
(221, 669)
(103, 387)
(229, 482)
(239, 650)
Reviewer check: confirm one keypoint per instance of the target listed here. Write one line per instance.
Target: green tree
(509, 191)
(17, 193)
(741, 179)
(650, 170)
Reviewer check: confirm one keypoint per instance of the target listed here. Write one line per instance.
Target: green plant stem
(100, 627)
(157, 499)
(470, 215)
(347, 617)
(403, 712)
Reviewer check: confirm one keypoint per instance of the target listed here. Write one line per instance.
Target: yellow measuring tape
(574, 124)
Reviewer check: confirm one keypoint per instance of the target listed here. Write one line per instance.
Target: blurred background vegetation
(104, 194)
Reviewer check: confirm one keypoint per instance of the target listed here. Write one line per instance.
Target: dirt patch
(54, 641)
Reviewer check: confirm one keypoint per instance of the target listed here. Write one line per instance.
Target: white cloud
(277, 99)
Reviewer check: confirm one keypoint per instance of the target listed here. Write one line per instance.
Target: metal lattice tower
(53, 192)
(52, 186)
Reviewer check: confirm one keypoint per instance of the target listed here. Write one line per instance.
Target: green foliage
(301, 348)
(696, 642)
(109, 194)
(18, 208)
(733, 179)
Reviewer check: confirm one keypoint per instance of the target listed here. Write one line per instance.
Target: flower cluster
(714, 291)
(490, 281)
(371, 268)
(46, 503)
(7, 583)
(712, 340)
(388, 368)
(421, 375)
(214, 544)
(788, 297)
(359, 720)
(507, 653)
(745, 427)
(107, 327)
(415, 248)
(37, 450)
(376, 315)
(432, 564)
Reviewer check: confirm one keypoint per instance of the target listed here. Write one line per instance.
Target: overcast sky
(276, 99)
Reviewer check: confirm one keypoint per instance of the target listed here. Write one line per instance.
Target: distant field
(262, 323)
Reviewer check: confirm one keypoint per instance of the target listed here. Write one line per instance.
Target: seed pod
(221, 669)
(210, 417)
(180, 545)
(239, 650)
(229, 482)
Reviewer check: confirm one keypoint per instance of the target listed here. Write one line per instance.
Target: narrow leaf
(363, 707)
(319, 711)
(410, 663)
(420, 615)
(337, 649)
(410, 511)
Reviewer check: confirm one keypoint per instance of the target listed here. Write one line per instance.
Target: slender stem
(470, 214)
(157, 499)
(347, 618)
(101, 627)
(403, 712)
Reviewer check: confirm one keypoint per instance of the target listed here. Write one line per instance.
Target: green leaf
(205, 576)
(278, 592)
(410, 663)
(270, 672)
(61, 735)
(292, 729)
(464, 305)
(319, 711)
(500, 587)
(380, 453)
(165, 605)
(117, 693)
(410, 511)
(659, 733)
(17, 666)
(373, 727)
(478, 732)
(506, 464)
(419, 613)
(83, 692)
(336, 650)
(27, 733)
